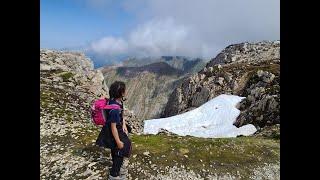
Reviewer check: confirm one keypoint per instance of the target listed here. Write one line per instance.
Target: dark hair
(117, 89)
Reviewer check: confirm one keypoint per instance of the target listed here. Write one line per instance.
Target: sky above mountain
(110, 30)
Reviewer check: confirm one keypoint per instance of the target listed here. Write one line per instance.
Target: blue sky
(71, 23)
(110, 30)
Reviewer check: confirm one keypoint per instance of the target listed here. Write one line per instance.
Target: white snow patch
(214, 119)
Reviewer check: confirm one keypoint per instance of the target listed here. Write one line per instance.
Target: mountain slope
(149, 85)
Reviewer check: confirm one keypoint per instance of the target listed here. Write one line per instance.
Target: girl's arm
(124, 126)
(116, 135)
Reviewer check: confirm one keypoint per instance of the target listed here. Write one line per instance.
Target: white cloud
(158, 37)
(199, 28)
(110, 46)
(154, 38)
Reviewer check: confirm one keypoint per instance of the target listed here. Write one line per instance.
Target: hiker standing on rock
(114, 134)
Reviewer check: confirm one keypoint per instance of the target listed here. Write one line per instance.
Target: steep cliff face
(249, 70)
(149, 86)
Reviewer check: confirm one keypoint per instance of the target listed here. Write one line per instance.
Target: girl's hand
(120, 145)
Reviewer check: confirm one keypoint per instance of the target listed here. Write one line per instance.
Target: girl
(114, 134)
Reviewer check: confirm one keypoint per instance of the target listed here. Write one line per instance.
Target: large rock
(201, 97)
(262, 105)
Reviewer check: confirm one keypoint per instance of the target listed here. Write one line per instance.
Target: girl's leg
(127, 148)
(124, 168)
(116, 163)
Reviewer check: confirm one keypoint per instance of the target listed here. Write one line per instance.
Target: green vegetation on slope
(221, 156)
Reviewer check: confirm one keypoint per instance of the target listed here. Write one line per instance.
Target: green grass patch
(66, 76)
(222, 155)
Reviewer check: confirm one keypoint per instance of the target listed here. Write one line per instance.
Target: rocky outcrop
(72, 75)
(262, 105)
(66, 61)
(249, 70)
(72, 72)
(248, 52)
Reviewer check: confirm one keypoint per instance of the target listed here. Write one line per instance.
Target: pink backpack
(98, 105)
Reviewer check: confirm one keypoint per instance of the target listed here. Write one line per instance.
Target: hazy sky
(110, 29)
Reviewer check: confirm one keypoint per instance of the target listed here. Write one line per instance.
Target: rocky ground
(67, 150)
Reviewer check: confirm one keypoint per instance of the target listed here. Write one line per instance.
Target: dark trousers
(116, 163)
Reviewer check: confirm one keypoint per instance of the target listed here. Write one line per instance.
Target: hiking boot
(115, 178)
(123, 170)
(123, 173)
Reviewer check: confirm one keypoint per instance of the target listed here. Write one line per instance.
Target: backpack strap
(111, 106)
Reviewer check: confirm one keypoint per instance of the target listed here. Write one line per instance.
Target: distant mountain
(159, 68)
(150, 81)
(179, 62)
